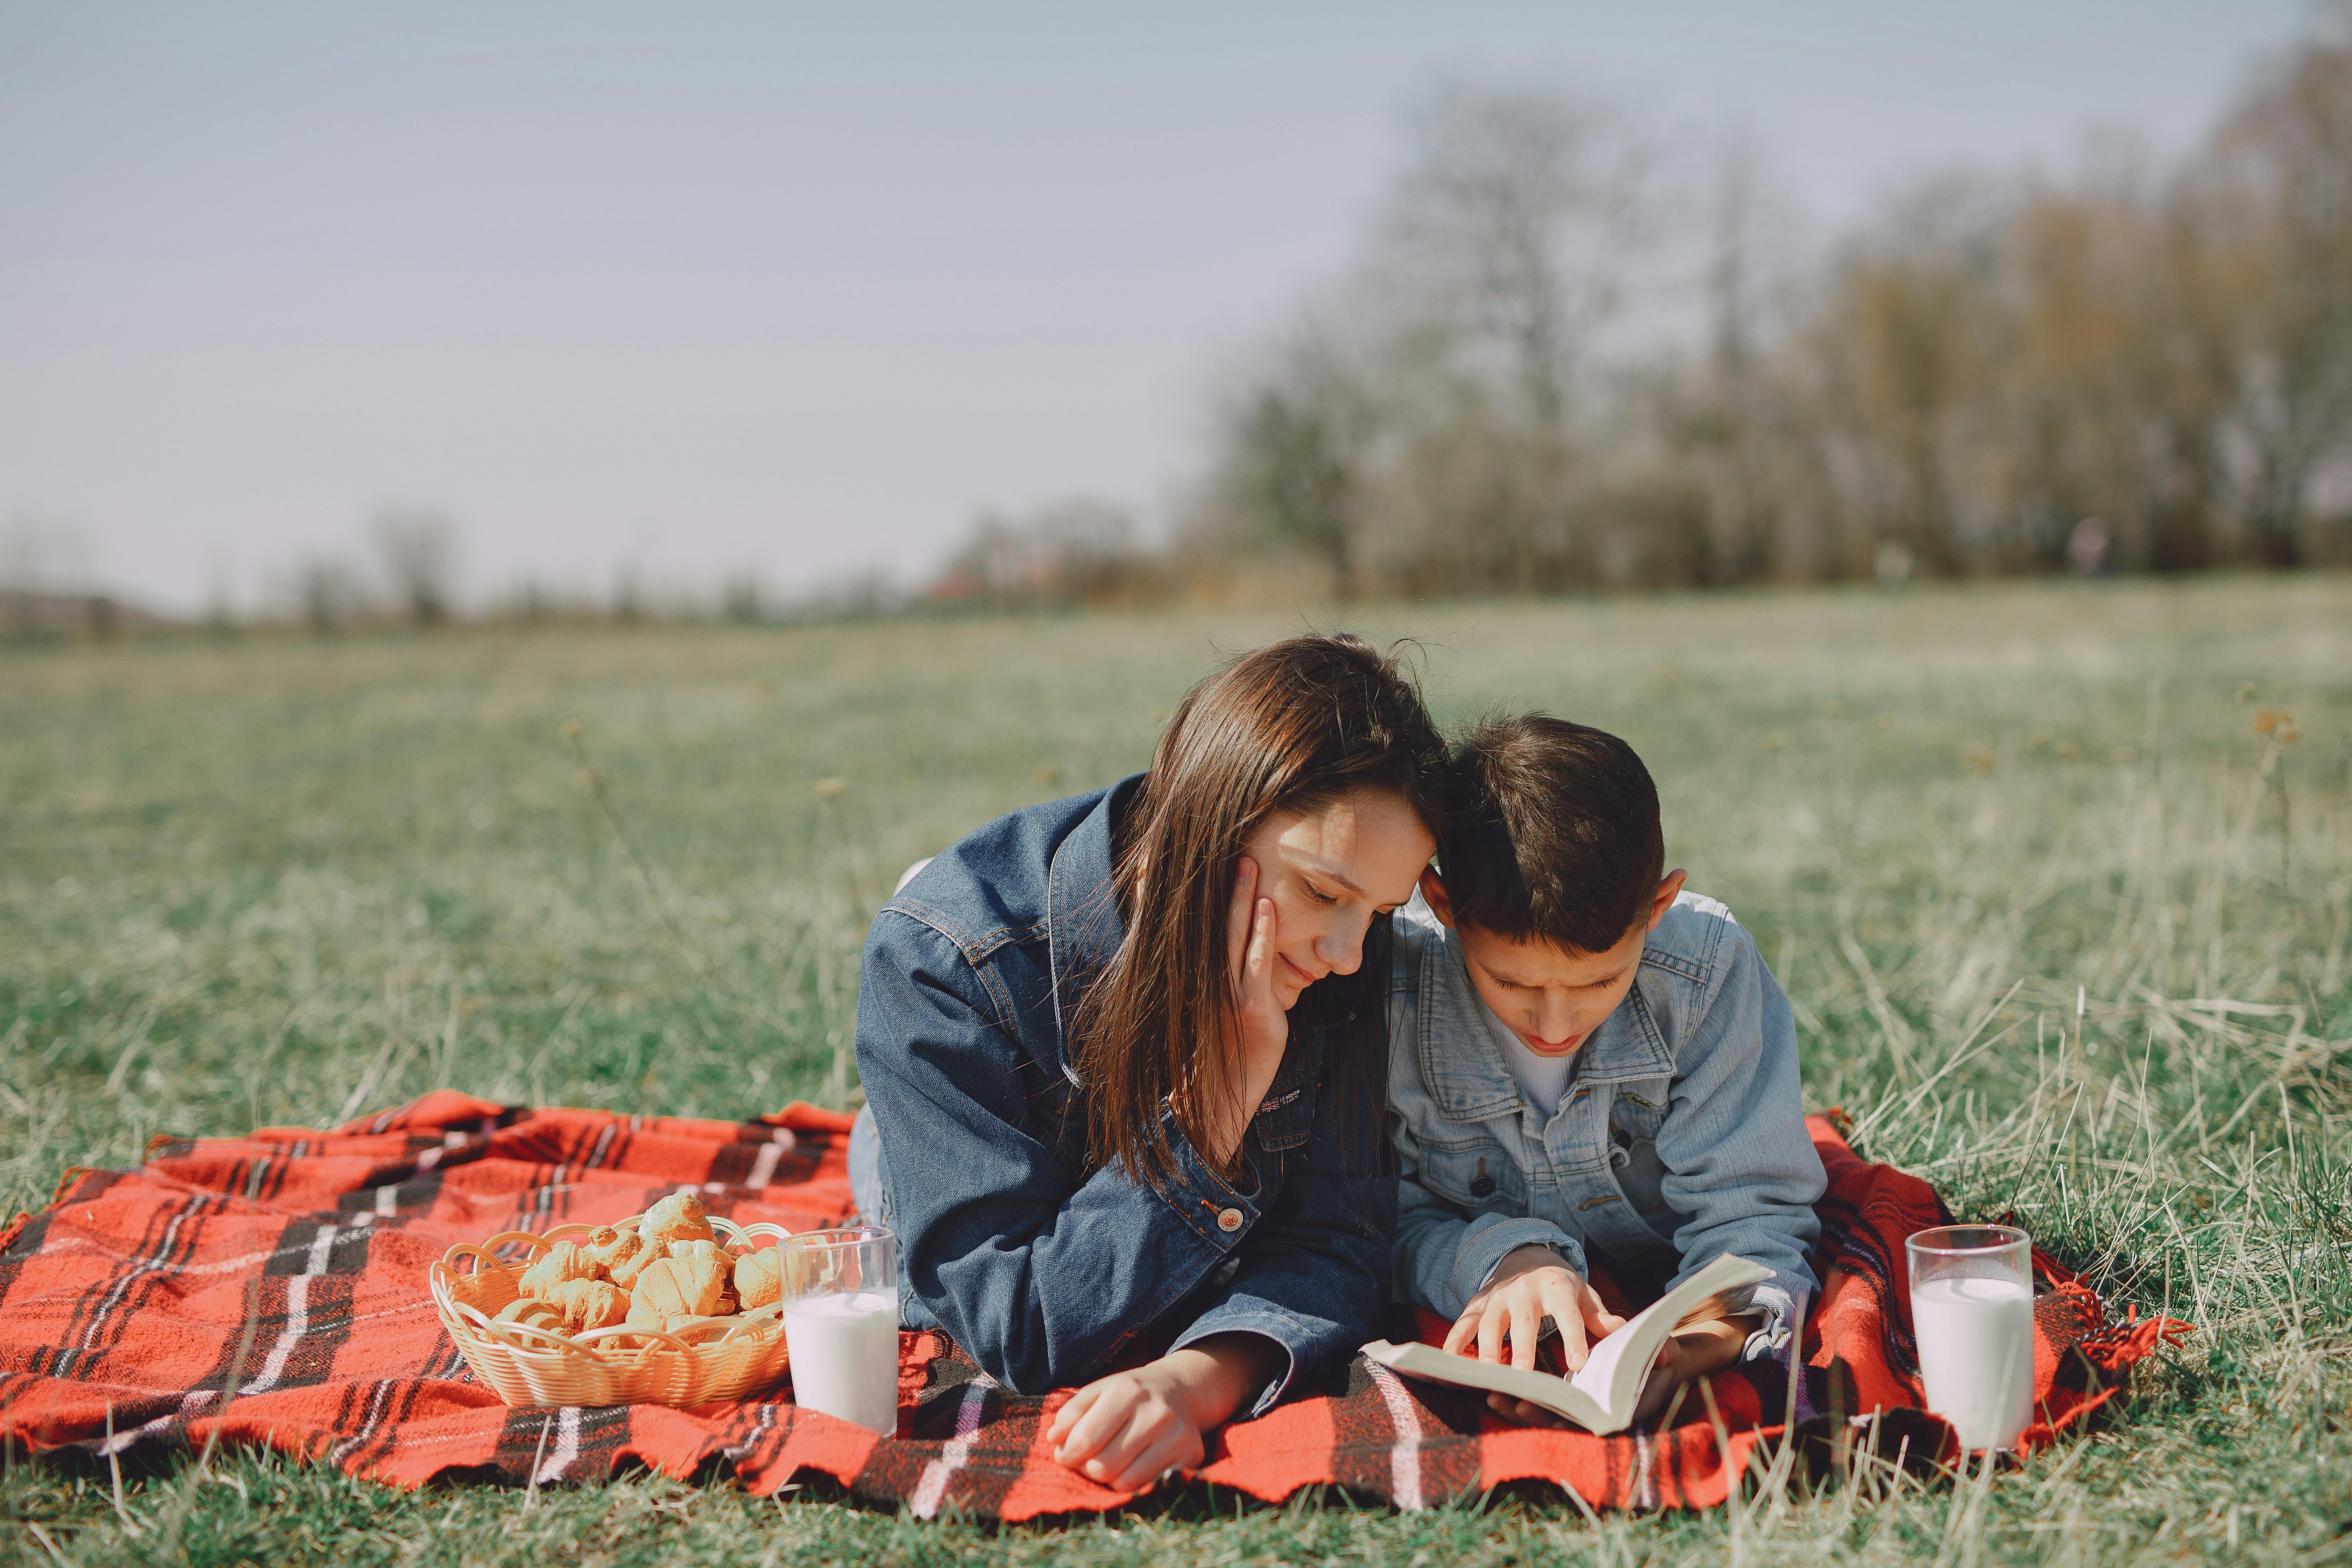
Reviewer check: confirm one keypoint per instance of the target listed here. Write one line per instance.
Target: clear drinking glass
(841, 1323)
(1972, 1308)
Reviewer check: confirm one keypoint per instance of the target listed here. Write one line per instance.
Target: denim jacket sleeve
(1314, 1274)
(1738, 1160)
(1042, 1275)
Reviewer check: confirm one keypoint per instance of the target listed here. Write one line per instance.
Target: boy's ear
(1433, 887)
(1668, 886)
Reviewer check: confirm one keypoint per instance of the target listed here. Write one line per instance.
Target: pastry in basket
(699, 1253)
(760, 1277)
(677, 1217)
(589, 1304)
(532, 1313)
(564, 1260)
(619, 1255)
(490, 1289)
(692, 1286)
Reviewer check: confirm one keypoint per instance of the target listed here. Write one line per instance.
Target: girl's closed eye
(1317, 894)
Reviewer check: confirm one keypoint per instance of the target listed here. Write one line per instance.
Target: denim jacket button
(1231, 1220)
(1483, 1187)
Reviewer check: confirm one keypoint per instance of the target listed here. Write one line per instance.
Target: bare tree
(2284, 188)
(418, 550)
(328, 592)
(1510, 237)
(1297, 454)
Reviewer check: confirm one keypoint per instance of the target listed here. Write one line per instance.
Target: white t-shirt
(1541, 1078)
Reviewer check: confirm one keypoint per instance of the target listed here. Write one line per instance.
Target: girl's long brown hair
(1293, 726)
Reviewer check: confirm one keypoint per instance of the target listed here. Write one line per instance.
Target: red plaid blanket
(287, 1267)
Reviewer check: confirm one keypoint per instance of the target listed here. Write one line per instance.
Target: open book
(1601, 1398)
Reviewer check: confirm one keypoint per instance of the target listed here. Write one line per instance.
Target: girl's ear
(1433, 887)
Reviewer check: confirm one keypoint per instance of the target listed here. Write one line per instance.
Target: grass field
(277, 881)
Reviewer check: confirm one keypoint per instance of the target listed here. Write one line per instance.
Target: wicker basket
(711, 1359)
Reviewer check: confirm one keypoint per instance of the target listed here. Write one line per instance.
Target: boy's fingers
(1527, 1328)
(1464, 1329)
(1491, 1324)
(1559, 1299)
(1598, 1319)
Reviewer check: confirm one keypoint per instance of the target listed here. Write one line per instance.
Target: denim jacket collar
(1083, 925)
(1473, 1084)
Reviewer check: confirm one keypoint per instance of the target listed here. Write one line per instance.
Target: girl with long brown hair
(1123, 1058)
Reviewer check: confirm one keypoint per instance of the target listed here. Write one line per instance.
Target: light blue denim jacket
(1682, 1136)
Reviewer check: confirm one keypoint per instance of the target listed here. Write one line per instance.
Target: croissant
(619, 1255)
(675, 1286)
(589, 1304)
(677, 1217)
(564, 1260)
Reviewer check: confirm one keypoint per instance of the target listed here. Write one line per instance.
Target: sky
(803, 290)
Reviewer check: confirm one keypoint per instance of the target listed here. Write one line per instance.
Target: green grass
(277, 882)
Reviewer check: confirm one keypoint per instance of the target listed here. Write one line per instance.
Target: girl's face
(1328, 872)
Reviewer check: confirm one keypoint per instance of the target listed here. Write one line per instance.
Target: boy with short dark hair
(1585, 1059)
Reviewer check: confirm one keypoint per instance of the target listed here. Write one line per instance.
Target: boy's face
(1551, 997)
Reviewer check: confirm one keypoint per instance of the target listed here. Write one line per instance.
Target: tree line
(1557, 364)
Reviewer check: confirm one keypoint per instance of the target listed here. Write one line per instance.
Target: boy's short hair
(1551, 831)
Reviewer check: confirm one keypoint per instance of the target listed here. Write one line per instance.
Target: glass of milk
(1972, 1306)
(841, 1323)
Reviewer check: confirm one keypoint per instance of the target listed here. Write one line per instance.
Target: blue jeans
(867, 1186)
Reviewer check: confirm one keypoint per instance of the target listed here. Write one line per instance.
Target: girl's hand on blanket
(1130, 1429)
(1528, 1286)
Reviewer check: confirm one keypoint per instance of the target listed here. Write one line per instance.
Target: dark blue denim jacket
(1048, 1273)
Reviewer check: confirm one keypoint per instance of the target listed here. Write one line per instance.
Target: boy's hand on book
(1530, 1285)
(1695, 1350)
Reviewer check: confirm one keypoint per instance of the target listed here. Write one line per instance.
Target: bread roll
(760, 1277)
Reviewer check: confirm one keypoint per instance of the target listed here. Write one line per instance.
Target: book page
(1620, 1363)
(1602, 1396)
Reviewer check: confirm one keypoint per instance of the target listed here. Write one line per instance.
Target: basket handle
(478, 1251)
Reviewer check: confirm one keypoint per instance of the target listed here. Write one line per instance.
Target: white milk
(845, 1357)
(1976, 1356)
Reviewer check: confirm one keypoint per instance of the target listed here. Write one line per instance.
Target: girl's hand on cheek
(1251, 932)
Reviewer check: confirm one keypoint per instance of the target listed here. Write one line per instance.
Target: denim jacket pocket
(1286, 1119)
(1636, 1111)
(1477, 1176)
